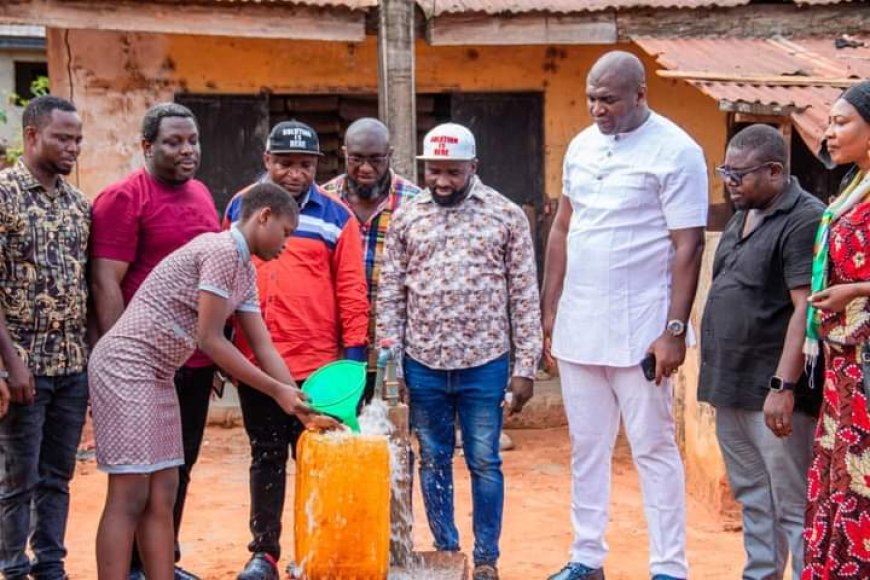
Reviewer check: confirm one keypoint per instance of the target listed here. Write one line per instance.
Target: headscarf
(858, 95)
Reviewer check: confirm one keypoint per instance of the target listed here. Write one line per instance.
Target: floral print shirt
(458, 284)
(43, 259)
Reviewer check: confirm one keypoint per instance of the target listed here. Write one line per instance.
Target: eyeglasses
(735, 176)
(373, 160)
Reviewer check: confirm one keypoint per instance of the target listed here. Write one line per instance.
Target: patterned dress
(137, 424)
(838, 509)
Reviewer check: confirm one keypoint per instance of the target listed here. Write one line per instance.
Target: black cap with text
(293, 137)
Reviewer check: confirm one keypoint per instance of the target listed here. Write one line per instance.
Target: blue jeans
(475, 395)
(38, 445)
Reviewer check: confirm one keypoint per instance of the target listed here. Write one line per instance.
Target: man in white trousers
(623, 260)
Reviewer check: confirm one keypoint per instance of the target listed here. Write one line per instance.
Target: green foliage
(39, 87)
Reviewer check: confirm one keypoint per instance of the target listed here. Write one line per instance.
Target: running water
(374, 422)
(406, 564)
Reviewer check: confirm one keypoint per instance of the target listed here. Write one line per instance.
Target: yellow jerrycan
(342, 507)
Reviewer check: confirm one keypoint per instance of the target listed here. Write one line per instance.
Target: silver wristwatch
(676, 327)
(4, 375)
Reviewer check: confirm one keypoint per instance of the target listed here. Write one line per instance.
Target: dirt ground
(535, 539)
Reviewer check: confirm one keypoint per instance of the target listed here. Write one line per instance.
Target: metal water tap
(386, 382)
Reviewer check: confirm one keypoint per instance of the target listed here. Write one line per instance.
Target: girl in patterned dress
(837, 530)
(183, 304)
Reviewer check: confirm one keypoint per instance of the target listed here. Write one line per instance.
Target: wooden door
(509, 131)
(233, 131)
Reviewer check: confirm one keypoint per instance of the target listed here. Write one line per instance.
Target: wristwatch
(676, 327)
(778, 384)
(4, 375)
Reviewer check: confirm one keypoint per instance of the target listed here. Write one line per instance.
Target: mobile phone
(648, 366)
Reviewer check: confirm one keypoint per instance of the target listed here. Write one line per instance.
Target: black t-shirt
(749, 306)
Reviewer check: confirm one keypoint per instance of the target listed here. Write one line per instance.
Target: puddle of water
(423, 574)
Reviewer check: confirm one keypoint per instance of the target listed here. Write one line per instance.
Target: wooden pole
(396, 82)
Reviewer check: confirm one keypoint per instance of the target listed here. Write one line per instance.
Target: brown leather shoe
(485, 572)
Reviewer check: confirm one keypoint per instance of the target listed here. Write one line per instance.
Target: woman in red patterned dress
(838, 509)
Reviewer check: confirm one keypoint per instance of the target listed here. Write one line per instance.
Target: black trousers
(369, 392)
(193, 386)
(273, 435)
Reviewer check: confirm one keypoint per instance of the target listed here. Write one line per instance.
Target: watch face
(775, 384)
(676, 327)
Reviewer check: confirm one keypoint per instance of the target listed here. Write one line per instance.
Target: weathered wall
(696, 422)
(116, 78)
(118, 75)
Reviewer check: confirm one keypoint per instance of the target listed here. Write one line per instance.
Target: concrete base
(434, 566)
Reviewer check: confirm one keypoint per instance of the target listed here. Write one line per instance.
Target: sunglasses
(735, 176)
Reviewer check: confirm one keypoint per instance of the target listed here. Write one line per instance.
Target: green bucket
(336, 389)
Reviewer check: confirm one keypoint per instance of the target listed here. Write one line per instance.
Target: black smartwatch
(778, 384)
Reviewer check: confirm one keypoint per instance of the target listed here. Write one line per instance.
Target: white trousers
(595, 397)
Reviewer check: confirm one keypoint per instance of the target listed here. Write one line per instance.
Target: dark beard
(454, 198)
(372, 191)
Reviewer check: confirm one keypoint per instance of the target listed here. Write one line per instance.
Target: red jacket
(313, 296)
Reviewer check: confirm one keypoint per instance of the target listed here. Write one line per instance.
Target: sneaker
(665, 577)
(505, 443)
(485, 572)
(261, 566)
(136, 574)
(578, 571)
(182, 574)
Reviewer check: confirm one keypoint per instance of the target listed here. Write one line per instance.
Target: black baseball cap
(293, 137)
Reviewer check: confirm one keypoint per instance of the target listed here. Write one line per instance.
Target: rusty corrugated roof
(492, 7)
(823, 2)
(814, 57)
(807, 106)
(752, 72)
(352, 4)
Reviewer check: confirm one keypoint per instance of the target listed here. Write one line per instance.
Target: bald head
(367, 152)
(620, 66)
(616, 93)
(369, 130)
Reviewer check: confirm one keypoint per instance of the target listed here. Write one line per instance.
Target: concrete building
(22, 59)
